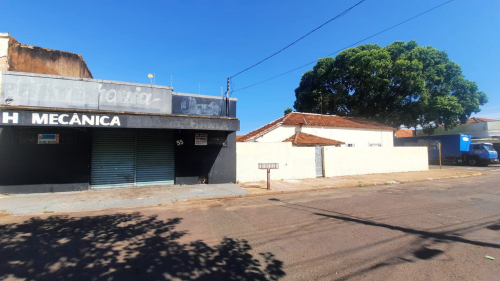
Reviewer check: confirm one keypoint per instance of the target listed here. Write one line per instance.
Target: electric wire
(304, 36)
(369, 37)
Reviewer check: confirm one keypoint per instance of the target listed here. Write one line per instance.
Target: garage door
(123, 158)
(155, 158)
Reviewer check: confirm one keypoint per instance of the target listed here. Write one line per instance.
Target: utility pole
(227, 98)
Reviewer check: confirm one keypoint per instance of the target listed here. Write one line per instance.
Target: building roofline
(200, 96)
(29, 74)
(281, 120)
(279, 123)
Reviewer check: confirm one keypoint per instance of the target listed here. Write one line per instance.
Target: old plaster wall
(26, 58)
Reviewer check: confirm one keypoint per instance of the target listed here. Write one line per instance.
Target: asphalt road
(434, 230)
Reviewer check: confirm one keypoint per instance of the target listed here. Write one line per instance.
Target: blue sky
(201, 43)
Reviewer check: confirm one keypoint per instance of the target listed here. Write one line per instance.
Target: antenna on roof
(151, 76)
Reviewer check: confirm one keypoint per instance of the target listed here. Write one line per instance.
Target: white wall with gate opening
(299, 162)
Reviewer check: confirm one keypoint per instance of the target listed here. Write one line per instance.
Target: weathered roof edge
(280, 122)
(327, 141)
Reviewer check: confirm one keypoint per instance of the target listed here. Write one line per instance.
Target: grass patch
(360, 184)
(4, 214)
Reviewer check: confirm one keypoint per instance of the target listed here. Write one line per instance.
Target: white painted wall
(299, 162)
(343, 161)
(294, 162)
(279, 134)
(358, 137)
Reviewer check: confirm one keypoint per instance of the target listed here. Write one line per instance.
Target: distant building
(307, 129)
(478, 128)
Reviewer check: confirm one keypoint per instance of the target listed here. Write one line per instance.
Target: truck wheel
(472, 162)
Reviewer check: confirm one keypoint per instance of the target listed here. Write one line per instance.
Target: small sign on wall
(48, 138)
(200, 139)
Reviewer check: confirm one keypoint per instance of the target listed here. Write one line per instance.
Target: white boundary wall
(299, 162)
(294, 162)
(344, 161)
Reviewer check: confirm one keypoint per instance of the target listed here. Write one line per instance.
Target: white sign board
(200, 139)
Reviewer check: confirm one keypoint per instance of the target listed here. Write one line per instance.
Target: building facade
(308, 129)
(61, 133)
(477, 128)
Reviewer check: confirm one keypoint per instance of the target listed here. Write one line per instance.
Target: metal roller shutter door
(132, 158)
(113, 159)
(155, 157)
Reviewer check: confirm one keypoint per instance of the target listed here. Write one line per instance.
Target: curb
(274, 192)
(256, 194)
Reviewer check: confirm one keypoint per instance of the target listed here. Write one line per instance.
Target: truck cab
(482, 154)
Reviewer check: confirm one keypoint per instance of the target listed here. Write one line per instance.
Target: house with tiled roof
(478, 128)
(308, 129)
(404, 133)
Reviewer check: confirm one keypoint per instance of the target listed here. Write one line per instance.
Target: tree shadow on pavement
(123, 247)
(422, 248)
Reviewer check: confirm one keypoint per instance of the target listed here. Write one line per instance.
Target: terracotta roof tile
(310, 119)
(474, 120)
(404, 133)
(300, 138)
(239, 137)
(297, 118)
(263, 129)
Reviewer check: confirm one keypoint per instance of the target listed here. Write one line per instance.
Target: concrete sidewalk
(433, 173)
(99, 199)
(157, 195)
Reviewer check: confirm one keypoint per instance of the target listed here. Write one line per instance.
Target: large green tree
(400, 84)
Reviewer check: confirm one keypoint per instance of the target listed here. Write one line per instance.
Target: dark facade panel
(202, 106)
(65, 119)
(214, 162)
(26, 164)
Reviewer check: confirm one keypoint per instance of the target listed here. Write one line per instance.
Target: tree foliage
(400, 84)
(287, 111)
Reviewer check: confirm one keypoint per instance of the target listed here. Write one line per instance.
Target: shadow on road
(123, 247)
(422, 248)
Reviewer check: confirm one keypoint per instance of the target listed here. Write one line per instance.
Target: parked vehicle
(456, 148)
